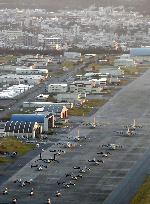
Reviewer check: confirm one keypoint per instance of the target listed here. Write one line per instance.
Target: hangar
(27, 129)
(46, 121)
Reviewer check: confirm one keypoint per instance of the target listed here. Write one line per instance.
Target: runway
(96, 184)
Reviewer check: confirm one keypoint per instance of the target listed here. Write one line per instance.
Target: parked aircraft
(134, 125)
(76, 167)
(54, 158)
(58, 194)
(95, 161)
(93, 124)
(60, 182)
(103, 154)
(5, 191)
(112, 146)
(23, 183)
(84, 170)
(66, 145)
(48, 201)
(70, 183)
(14, 200)
(79, 138)
(129, 132)
(31, 192)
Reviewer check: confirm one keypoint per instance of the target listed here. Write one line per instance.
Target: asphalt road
(132, 102)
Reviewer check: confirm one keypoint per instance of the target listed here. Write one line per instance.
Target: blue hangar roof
(39, 118)
(143, 51)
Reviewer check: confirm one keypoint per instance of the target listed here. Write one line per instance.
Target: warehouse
(41, 104)
(141, 54)
(46, 121)
(28, 129)
(58, 111)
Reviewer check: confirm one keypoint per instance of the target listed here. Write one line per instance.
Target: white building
(114, 80)
(24, 79)
(102, 81)
(14, 91)
(71, 97)
(124, 62)
(97, 89)
(28, 71)
(57, 88)
(81, 87)
(42, 104)
(12, 34)
(125, 56)
(112, 71)
(53, 42)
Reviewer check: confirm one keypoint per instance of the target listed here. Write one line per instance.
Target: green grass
(87, 107)
(4, 160)
(143, 195)
(95, 102)
(95, 66)
(133, 70)
(68, 64)
(7, 58)
(13, 145)
(79, 111)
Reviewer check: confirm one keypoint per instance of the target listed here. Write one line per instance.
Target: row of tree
(18, 52)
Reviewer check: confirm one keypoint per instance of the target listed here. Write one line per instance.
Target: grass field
(13, 145)
(7, 58)
(79, 111)
(86, 108)
(133, 70)
(95, 102)
(143, 195)
(68, 64)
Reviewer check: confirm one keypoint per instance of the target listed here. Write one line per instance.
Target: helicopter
(133, 126)
(129, 132)
(93, 124)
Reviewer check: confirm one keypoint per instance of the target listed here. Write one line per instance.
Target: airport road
(132, 102)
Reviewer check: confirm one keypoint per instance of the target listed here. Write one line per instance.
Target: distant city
(74, 102)
(106, 27)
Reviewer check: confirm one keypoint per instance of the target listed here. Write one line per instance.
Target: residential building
(24, 79)
(31, 71)
(80, 87)
(57, 88)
